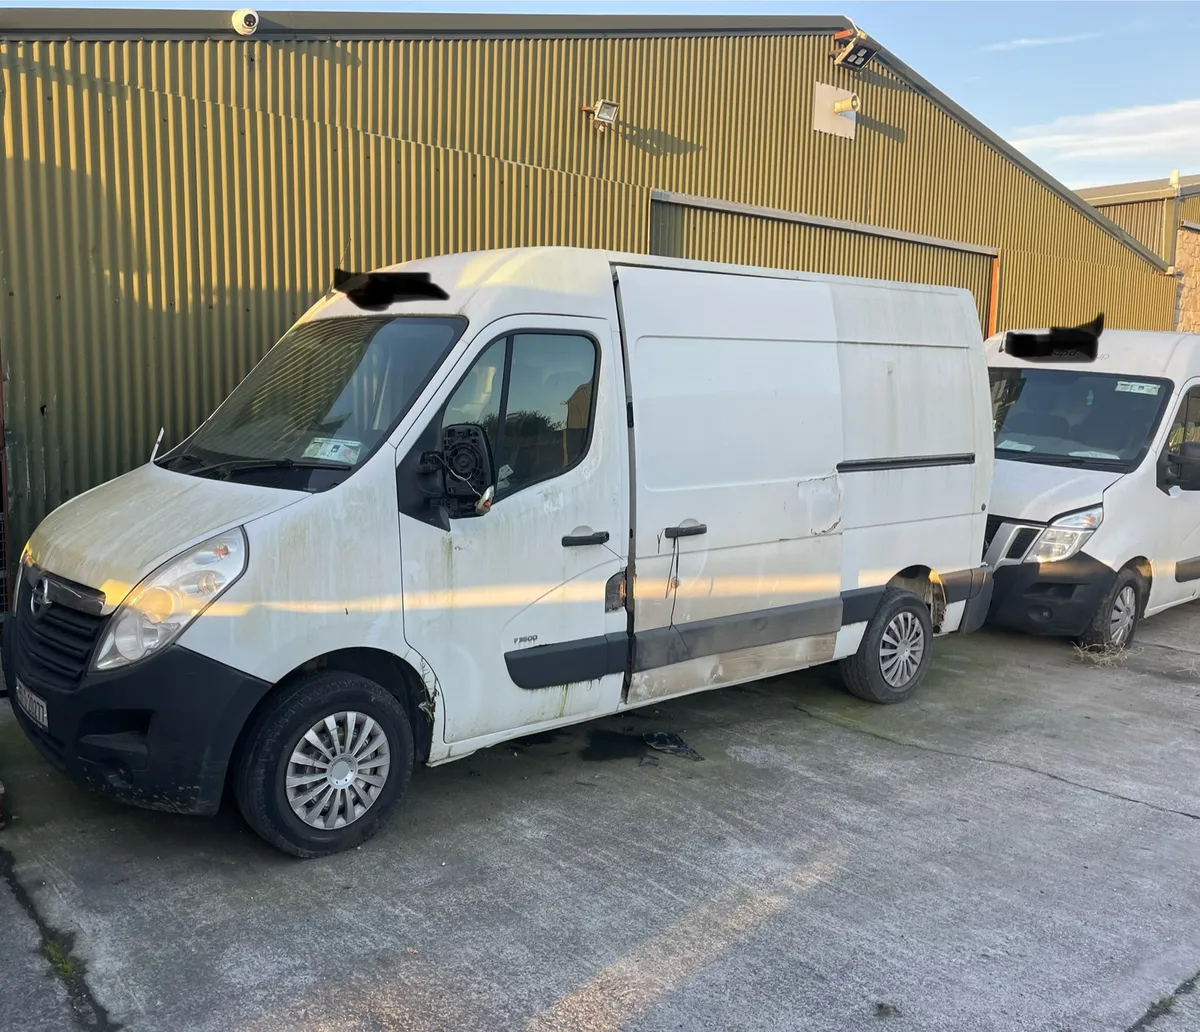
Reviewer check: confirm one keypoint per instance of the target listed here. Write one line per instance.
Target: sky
(1094, 92)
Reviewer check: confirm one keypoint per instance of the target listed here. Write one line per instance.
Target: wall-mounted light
(603, 113)
(852, 48)
(835, 111)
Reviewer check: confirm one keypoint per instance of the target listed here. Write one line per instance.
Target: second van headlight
(158, 610)
(1066, 535)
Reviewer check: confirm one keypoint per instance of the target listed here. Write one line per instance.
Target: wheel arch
(1142, 566)
(924, 582)
(385, 669)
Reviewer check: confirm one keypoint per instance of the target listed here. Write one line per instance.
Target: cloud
(1046, 41)
(1144, 142)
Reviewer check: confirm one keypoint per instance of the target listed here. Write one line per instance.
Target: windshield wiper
(240, 465)
(168, 461)
(1057, 460)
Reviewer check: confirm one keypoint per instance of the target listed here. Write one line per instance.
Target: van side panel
(916, 429)
(737, 423)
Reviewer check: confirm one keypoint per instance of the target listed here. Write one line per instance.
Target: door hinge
(629, 413)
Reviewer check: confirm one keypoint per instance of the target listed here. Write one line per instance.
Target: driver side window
(534, 396)
(1186, 426)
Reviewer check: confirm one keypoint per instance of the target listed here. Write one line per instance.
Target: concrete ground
(1016, 848)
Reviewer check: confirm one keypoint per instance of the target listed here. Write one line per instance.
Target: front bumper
(1058, 598)
(158, 734)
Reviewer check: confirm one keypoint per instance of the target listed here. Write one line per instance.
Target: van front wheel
(324, 764)
(894, 652)
(1116, 618)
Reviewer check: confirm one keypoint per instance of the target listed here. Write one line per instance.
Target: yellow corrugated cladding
(714, 236)
(1189, 209)
(1148, 222)
(1127, 298)
(152, 247)
(168, 206)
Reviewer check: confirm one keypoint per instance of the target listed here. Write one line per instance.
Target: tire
(903, 617)
(1115, 623)
(278, 733)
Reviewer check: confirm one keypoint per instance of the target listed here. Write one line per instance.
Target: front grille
(52, 647)
(1021, 542)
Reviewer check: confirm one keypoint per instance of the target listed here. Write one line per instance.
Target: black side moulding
(374, 291)
(1060, 344)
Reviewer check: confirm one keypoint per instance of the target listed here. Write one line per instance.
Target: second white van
(484, 495)
(1095, 513)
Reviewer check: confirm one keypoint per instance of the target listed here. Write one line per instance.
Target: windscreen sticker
(331, 449)
(1136, 387)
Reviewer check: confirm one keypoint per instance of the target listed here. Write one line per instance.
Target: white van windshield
(1069, 418)
(320, 402)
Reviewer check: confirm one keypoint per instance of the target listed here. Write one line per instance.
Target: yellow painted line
(633, 984)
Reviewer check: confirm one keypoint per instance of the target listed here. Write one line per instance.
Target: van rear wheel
(324, 764)
(894, 652)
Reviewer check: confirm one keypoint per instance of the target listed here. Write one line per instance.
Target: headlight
(1065, 536)
(157, 610)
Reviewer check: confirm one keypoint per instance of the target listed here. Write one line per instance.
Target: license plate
(33, 705)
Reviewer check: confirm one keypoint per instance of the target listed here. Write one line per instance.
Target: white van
(1095, 512)
(484, 495)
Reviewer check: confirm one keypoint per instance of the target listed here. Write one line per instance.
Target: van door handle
(694, 530)
(578, 540)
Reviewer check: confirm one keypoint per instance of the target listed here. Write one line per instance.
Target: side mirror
(470, 471)
(1186, 463)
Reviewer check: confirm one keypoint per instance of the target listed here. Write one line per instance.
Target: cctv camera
(245, 21)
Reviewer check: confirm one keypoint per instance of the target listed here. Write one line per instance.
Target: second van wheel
(1116, 618)
(894, 652)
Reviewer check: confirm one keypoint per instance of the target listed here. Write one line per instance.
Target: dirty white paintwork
(730, 668)
(324, 574)
(736, 416)
(505, 582)
(1141, 521)
(747, 394)
(1031, 491)
(746, 385)
(110, 537)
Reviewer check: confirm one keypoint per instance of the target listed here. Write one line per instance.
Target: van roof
(1164, 353)
(498, 266)
(578, 281)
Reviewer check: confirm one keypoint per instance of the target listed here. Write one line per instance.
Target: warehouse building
(1163, 215)
(175, 189)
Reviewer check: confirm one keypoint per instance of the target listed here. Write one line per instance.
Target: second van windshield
(1062, 417)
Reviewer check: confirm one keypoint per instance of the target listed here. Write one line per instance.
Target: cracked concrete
(1013, 849)
(28, 988)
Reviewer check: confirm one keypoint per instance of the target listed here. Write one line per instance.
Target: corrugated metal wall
(153, 246)
(1189, 209)
(714, 116)
(168, 205)
(1148, 222)
(713, 236)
